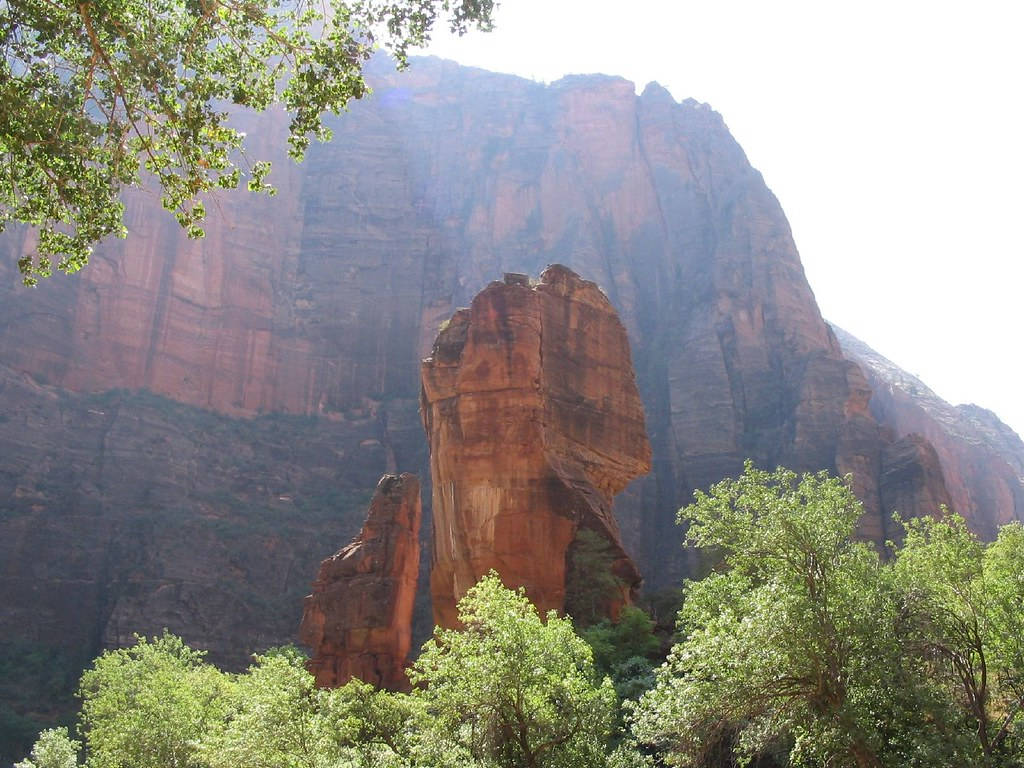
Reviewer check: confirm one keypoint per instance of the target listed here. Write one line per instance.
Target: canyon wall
(534, 424)
(981, 459)
(358, 620)
(190, 427)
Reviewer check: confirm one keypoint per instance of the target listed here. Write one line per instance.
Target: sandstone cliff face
(981, 458)
(125, 512)
(534, 423)
(358, 621)
(320, 303)
(327, 296)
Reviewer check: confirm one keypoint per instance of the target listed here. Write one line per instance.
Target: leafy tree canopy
(966, 600)
(97, 94)
(803, 648)
(625, 651)
(792, 647)
(53, 749)
(151, 705)
(512, 689)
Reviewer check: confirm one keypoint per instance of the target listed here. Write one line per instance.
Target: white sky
(891, 132)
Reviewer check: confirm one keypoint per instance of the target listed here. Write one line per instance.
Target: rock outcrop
(358, 621)
(290, 338)
(981, 459)
(534, 423)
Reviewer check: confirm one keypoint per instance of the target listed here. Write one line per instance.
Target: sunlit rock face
(534, 423)
(288, 344)
(980, 458)
(358, 620)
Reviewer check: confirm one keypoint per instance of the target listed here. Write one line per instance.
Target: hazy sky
(891, 132)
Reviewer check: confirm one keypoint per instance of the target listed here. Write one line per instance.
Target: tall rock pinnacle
(358, 620)
(534, 424)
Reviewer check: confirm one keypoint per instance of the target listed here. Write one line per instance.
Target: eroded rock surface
(534, 423)
(290, 338)
(981, 459)
(358, 621)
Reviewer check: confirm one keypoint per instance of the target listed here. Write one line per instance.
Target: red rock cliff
(358, 621)
(290, 340)
(534, 423)
(981, 459)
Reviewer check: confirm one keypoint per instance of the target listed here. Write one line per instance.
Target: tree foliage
(100, 93)
(151, 705)
(53, 749)
(512, 689)
(803, 648)
(804, 645)
(625, 650)
(590, 580)
(772, 641)
(967, 603)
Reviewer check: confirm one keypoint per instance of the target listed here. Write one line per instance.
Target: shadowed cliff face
(322, 300)
(981, 458)
(534, 424)
(331, 292)
(358, 621)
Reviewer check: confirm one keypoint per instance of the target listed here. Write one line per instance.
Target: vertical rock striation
(981, 459)
(358, 621)
(286, 346)
(534, 424)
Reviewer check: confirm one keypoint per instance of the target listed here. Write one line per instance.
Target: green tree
(53, 749)
(511, 689)
(791, 646)
(625, 651)
(98, 94)
(151, 705)
(967, 603)
(273, 719)
(278, 718)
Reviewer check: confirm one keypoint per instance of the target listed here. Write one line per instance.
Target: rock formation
(290, 338)
(534, 424)
(981, 459)
(358, 621)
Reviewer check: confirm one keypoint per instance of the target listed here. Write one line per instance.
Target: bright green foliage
(150, 706)
(278, 718)
(508, 690)
(274, 719)
(53, 749)
(802, 649)
(967, 603)
(791, 646)
(378, 728)
(512, 689)
(98, 94)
